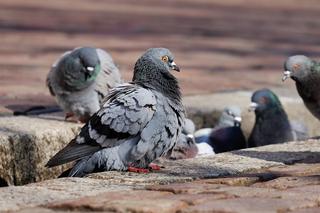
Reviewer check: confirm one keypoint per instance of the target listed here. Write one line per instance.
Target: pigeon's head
(231, 116)
(297, 67)
(153, 62)
(80, 68)
(153, 69)
(88, 61)
(163, 57)
(185, 148)
(263, 100)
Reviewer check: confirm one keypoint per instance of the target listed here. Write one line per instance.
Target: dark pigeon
(306, 74)
(271, 125)
(227, 135)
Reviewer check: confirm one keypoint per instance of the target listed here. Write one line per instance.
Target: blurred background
(219, 45)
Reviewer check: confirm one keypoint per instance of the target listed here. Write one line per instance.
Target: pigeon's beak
(88, 72)
(190, 136)
(237, 121)
(90, 69)
(174, 66)
(286, 74)
(253, 106)
(190, 139)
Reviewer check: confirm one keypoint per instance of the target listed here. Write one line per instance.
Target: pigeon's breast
(85, 102)
(163, 130)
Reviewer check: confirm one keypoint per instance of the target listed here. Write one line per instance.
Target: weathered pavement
(275, 178)
(220, 46)
(27, 143)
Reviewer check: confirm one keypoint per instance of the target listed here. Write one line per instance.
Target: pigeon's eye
(296, 67)
(165, 58)
(263, 100)
(230, 113)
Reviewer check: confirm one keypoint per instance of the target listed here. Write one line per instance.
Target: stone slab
(205, 110)
(239, 176)
(27, 143)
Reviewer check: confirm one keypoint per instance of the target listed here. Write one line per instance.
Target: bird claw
(73, 118)
(154, 166)
(137, 170)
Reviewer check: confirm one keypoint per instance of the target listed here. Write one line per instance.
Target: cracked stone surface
(245, 181)
(27, 143)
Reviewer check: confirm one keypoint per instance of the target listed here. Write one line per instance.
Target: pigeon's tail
(103, 160)
(65, 173)
(73, 151)
(81, 168)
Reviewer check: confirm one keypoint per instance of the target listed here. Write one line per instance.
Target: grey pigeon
(186, 146)
(299, 131)
(138, 123)
(271, 125)
(80, 79)
(227, 135)
(306, 73)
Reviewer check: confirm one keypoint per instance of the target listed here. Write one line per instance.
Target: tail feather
(73, 151)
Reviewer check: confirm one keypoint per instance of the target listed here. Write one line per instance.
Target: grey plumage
(139, 121)
(186, 146)
(272, 124)
(299, 131)
(306, 74)
(230, 116)
(226, 135)
(80, 79)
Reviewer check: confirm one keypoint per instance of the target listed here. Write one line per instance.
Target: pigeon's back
(227, 139)
(109, 76)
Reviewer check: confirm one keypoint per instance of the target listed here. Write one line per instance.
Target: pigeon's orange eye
(165, 58)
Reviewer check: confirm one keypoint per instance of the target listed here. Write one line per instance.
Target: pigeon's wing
(49, 80)
(127, 110)
(109, 76)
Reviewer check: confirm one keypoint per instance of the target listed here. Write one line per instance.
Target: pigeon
(300, 131)
(186, 146)
(306, 73)
(80, 79)
(204, 149)
(139, 121)
(227, 135)
(271, 124)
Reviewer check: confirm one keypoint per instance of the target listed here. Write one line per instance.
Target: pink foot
(71, 117)
(138, 170)
(154, 166)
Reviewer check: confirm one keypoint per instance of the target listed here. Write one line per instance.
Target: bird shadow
(46, 112)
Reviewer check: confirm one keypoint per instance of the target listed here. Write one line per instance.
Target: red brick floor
(220, 45)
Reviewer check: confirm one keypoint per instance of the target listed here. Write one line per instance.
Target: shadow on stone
(286, 157)
(3, 182)
(195, 168)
